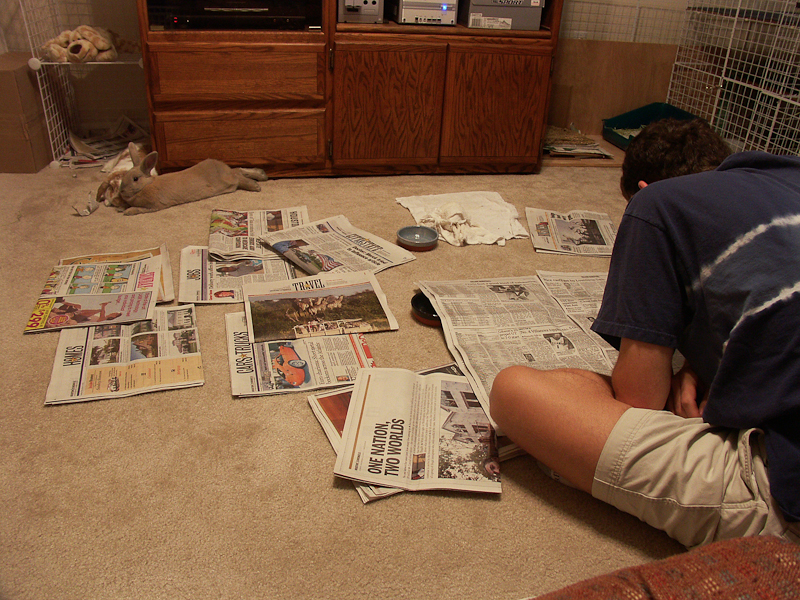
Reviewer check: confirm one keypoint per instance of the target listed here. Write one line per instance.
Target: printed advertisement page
(335, 245)
(263, 368)
(234, 234)
(108, 361)
(204, 280)
(417, 432)
(324, 304)
(91, 294)
(166, 291)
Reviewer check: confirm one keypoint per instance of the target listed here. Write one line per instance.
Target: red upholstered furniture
(754, 568)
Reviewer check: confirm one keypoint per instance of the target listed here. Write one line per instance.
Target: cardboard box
(24, 140)
(520, 15)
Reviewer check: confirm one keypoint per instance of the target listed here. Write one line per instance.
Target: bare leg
(561, 417)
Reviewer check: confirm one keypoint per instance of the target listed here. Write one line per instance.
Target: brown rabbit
(140, 191)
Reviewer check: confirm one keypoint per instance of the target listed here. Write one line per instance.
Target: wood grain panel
(595, 80)
(494, 106)
(285, 136)
(232, 74)
(387, 103)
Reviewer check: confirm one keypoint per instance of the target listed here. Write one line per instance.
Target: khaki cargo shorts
(696, 482)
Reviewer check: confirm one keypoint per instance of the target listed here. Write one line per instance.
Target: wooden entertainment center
(352, 99)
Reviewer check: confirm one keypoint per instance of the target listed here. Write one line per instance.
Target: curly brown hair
(669, 148)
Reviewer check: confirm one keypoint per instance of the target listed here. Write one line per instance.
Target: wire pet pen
(737, 67)
(44, 20)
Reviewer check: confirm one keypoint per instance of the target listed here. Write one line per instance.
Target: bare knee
(511, 386)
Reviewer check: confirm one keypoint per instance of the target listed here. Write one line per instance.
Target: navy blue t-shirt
(710, 264)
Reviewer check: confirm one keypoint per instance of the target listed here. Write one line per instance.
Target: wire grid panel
(610, 21)
(738, 66)
(44, 20)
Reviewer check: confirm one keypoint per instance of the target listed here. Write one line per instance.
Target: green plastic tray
(639, 118)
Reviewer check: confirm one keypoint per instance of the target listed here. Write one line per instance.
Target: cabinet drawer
(263, 73)
(240, 138)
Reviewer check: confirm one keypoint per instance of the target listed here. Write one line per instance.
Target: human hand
(684, 399)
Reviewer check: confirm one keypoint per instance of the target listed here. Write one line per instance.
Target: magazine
(577, 232)
(166, 291)
(264, 368)
(335, 245)
(114, 360)
(324, 304)
(330, 408)
(204, 280)
(91, 294)
(235, 234)
(417, 432)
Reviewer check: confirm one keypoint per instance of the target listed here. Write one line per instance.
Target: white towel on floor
(463, 218)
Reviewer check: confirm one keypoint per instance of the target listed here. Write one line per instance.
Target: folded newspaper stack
(433, 434)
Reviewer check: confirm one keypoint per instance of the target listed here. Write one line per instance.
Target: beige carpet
(193, 494)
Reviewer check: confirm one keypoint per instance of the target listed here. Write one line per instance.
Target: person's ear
(642, 185)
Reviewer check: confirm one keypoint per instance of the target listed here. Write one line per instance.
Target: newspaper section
(490, 324)
(577, 232)
(90, 294)
(330, 408)
(114, 360)
(166, 292)
(432, 434)
(204, 280)
(580, 295)
(264, 368)
(324, 304)
(335, 245)
(234, 234)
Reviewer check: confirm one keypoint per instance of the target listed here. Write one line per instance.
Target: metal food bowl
(417, 238)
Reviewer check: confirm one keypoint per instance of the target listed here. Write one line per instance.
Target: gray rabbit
(140, 191)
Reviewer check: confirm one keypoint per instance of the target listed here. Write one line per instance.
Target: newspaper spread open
(204, 280)
(107, 361)
(490, 324)
(235, 234)
(323, 304)
(330, 408)
(166, 291)
(263, 368)
(336, 245)
(417, 432)
(577, 232)
(90, 294)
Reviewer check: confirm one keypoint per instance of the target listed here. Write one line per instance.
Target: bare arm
(642, 376)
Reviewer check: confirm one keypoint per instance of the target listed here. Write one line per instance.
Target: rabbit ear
(149, 162)
(133, 151)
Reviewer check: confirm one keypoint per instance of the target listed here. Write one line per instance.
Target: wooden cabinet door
(387, 103)
(495, 105)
